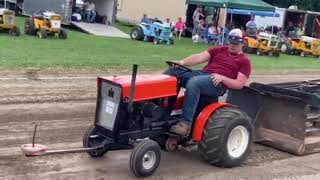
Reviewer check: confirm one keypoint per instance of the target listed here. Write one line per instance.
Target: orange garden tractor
(135, 112)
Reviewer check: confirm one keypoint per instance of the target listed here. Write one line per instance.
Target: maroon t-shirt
(226, 64)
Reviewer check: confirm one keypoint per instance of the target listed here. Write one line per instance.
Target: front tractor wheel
(227, 138)
(63, 34)
(15, 31)
(92, 139)
(170, 41)
(42, 34)
(145, 158)
(259, 52)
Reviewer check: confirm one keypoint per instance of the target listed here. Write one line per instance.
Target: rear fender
(146, 31)
(202, 119)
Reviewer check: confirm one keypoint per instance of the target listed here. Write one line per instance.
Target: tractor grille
(109, 100)
(9, 20)
(166, 33)
(55, 24)
(274, 43)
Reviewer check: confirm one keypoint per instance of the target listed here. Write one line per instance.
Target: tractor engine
(144, 115)
(152, 112)
(115, 110)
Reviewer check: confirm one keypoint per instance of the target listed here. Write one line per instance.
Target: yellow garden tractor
(45, 24)
(302, 46)
(264, 43)
(7, 18)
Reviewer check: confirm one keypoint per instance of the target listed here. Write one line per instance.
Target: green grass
(83, 51)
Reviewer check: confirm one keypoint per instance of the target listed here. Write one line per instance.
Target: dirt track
(63, 109)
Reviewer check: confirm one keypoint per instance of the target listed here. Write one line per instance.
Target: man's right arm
(195, 59)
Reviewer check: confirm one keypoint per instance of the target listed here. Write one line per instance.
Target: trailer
(277, 20)
(131, 11)
(296, 17)
(313, 24)
(8, 4)
(104, 8)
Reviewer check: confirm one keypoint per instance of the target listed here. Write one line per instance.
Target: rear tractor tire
(92, 139)
(286, 48)
(227, 138)
(137, 33)
(145, 158)
(246, 47)
(29, 27)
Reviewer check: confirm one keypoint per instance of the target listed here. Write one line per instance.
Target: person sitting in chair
(227, 67)
(201, 29)
(179, 28)
(90, 10)
(213, 35)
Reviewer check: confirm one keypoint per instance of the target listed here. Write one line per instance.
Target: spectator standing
(197, 15)
(251, 24)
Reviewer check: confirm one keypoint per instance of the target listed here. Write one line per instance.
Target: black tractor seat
(38, 14)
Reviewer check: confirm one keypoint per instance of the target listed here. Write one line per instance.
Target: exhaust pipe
(132, 89)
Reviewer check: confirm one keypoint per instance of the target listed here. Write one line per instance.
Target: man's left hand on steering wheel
(178, 65)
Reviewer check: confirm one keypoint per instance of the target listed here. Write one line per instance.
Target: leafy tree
(312, 5)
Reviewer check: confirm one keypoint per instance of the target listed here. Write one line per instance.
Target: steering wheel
(176, 65)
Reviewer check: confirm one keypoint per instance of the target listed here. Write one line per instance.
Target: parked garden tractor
(264, 43)
(7, 18)
(156, 32)
(303, 46)
(136, 112)
(44, 24)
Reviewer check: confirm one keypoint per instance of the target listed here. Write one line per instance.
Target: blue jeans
(91, 15)
(197, 83)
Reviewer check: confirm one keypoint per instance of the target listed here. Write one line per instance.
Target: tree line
(312, 5)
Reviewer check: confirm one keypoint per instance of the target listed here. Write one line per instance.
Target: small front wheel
(170, 41)
(15, 31)
(42, 34)
(259, 53)
(156, 40)
(63, 34)
(145, 158)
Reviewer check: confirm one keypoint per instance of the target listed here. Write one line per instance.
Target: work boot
(180, 128)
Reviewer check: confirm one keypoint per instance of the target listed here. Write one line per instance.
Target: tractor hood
(147, 86)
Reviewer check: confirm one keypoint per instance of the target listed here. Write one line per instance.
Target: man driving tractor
(228, 67)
